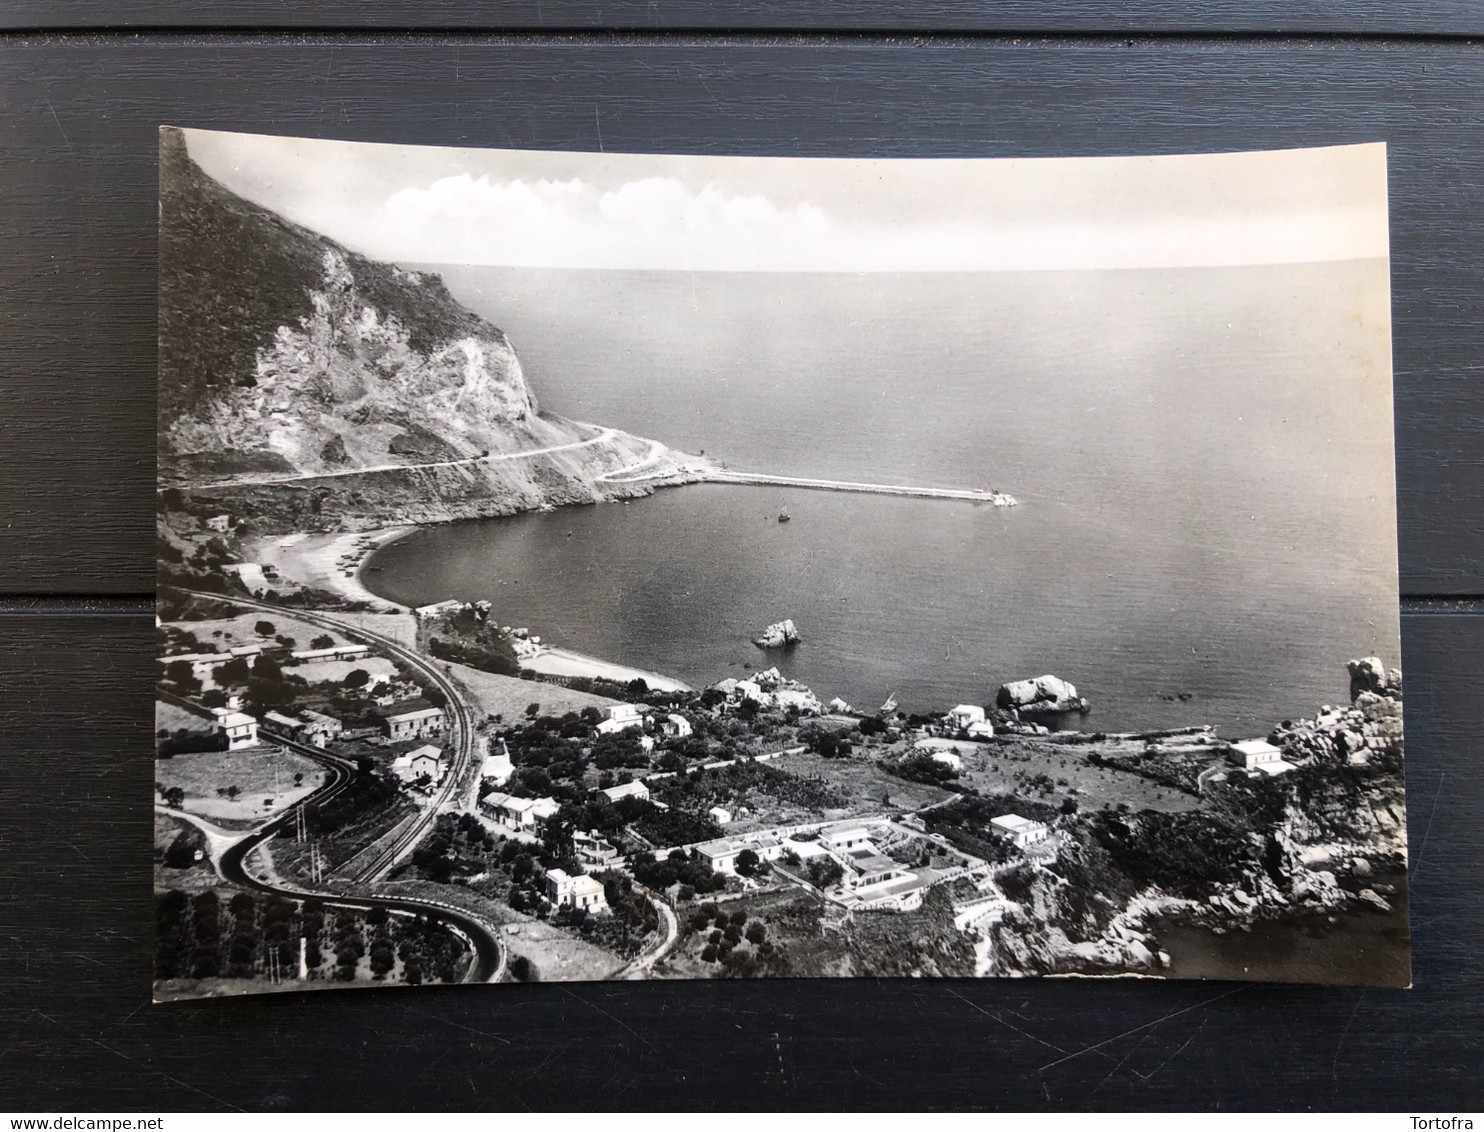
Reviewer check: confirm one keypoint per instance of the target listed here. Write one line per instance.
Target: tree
(756, 933)
(233, 672)
(357, 678)
(264, 629)
(266, 668)
(708, 953)
(233, 791)
(1069, 806)
(824, 871)
(521, 970)
(533, 710)
(323, 641)
(174, 797)
(179, 673)
(747, 863)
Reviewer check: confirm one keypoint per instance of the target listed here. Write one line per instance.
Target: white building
(414, 724)
(579, 892)
(752, 690)
(1021, 831)
(220, 523)
(964, 716)
(981, 730)
(844, 840)
(1259, 755)
(677, 727)
(524, 815)
(414, 764)
(240, 729)
(720, 815)
(621, 717)
(627, 790)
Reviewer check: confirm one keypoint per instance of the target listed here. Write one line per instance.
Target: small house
(220, 523)
(319, 728)
(1021, 831)
(720, 815)
(622, 717)
(239, 728)
(1259, 755)
(627, 790)
(719, 856)
(583, 892)
(414, 764)
(844, 840)
(677, 727)
(965, 715)
(413, 724)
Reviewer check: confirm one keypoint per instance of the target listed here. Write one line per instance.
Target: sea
(1203, 459)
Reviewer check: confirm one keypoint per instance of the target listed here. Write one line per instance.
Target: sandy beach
(333, 562)
(315, 560)
(565, 662)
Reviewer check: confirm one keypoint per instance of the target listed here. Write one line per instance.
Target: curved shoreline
(314, 560)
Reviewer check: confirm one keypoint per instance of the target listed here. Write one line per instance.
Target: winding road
(373, 863)
(603, 434)
(383, 855)
(230, 858)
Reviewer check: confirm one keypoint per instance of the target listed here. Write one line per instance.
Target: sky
(519, 208)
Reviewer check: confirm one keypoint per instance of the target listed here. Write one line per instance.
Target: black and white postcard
(582, 566)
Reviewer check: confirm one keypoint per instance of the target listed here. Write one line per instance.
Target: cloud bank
(656, 223)
(528, 208)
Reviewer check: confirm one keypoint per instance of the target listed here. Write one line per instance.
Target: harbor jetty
(721, 475)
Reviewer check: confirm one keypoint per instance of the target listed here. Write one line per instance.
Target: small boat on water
(784, 516)
(890, 706)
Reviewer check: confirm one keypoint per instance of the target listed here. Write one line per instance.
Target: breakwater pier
(997, 498)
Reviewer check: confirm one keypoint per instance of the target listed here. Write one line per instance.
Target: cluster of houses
(639, 717)
(770, 689)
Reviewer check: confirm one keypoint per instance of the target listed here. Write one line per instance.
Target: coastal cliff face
(285, 356)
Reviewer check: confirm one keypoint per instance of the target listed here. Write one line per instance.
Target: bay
(1203, 458)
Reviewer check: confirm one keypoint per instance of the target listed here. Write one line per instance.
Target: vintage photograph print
(580, 566)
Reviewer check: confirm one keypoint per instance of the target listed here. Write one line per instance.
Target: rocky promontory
(316, 389)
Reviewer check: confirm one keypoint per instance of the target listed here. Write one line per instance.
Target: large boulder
(1367, 674)
(1044, 695)
(778, 635)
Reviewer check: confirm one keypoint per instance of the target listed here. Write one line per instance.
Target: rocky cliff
(308, 382)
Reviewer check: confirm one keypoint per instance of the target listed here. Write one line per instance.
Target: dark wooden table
(83, 87)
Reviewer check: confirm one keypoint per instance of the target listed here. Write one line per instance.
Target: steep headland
(313, 387)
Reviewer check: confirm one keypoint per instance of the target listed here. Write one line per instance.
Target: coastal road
(459, 733)
(604, 434)
(230, 859)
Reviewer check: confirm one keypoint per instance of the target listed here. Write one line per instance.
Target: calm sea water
(1203, 459)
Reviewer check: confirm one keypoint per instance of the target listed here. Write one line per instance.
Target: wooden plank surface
(1371, 17)
(80, 1034)
(77, 188)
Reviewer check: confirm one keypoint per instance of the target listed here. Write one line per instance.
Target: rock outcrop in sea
(1044, 695)
(778, 635)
